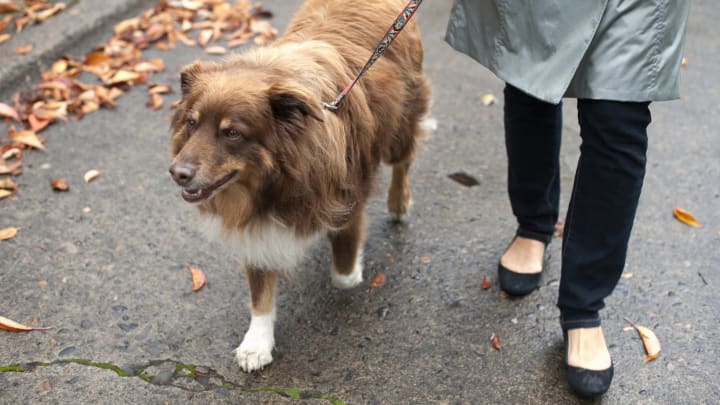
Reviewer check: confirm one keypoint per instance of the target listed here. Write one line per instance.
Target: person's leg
(600, 216)
(532, 141)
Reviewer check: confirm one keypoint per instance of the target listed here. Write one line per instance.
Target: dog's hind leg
(399, 196)
(347, 249)
(255, 351)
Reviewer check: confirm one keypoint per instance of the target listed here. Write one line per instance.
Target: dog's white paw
(253, 358)
(255, 351)
(347, 281)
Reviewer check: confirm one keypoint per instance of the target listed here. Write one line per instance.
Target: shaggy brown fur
(256, 120)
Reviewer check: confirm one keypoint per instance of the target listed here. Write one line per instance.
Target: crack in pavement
(188, 377)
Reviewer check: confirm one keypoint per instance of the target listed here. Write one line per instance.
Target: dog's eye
(231, 133)
(191, 122)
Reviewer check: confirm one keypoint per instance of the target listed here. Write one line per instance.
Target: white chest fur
(269, 245)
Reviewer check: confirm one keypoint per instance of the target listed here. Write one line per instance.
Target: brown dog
(271, 170)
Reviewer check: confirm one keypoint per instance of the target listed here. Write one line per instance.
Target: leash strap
(389, 37)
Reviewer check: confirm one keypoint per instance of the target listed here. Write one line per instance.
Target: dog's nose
(182, 172)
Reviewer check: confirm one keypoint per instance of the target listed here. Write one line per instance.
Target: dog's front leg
(255, 351)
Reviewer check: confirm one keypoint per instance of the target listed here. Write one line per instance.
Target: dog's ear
(290, 102)
(189, 75)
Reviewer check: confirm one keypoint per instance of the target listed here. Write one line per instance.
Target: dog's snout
(182, 172)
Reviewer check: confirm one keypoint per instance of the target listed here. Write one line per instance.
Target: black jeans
(605, 194)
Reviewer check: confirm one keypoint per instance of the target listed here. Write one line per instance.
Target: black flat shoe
(586, 383)
(517, 284)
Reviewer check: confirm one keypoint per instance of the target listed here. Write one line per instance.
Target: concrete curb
(57, 36)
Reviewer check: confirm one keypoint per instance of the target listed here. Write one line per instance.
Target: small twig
(702, 278)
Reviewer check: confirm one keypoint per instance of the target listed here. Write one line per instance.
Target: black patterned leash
(389, 37)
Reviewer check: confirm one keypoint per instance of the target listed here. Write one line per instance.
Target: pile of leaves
(74, 87)
(22, 13)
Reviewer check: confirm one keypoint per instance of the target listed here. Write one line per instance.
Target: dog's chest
(267, 246)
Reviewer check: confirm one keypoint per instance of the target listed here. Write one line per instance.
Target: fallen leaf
(650, 341)
(60, 185)
(486, 283)
(464, 179)
(24, 50)
(204, 37)
(156, 101)
(8, 233)
(90, 175)
(8, 112)
(627, 275)
(5, 193)
(36, 124)
(29, 138)
(8, 6)
(216, 50)
(123, 76)
(425, 259)
(559, 228)
(683, 62)
(495, 341)
(13, 326)
(378, 280)
(198, 278)
(8, 184)
(487, 99)
(686, 217)
(160, 89)
(4, 37)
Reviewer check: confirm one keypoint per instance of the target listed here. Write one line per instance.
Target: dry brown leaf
(6, 193)
(464, 179)
(90, 175)
(155, 101)
(198, 278)
(8, 6)
(60, 185)
(486, 283)
(683, 62)
(59, 66)
(495, 341)
(378, 280)
(50, 110)
(650, 341)
(8, 233)
(8, 184)
(97, 59)
(37, 124)
(8, 112)
(216, 50)
(204, 37)
(5, 37)
(13, 168)
(29, 138)
(153, 65)
(24, 50)
(160, 89)
(45, 14)
(487, 100)
(686, 217)
(425, 259)
(12, 326)
(123, 76)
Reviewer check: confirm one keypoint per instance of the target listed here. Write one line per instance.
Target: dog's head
(239, 126)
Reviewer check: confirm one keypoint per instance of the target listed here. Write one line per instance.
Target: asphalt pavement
(104, 264)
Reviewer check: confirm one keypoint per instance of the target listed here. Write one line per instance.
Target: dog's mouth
(194, 195)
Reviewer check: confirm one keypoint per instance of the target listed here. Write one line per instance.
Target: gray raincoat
(623, 50)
